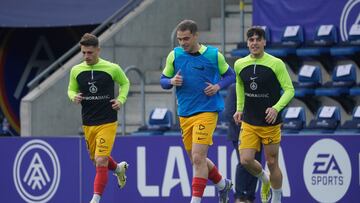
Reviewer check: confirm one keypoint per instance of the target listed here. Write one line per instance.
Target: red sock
(198, 186)
(214, 175)
(101, 179)
(112, 164)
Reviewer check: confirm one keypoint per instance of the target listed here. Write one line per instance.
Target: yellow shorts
(100, 139)
(252, 136)
(198, 129)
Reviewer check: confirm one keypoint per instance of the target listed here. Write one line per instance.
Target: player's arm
(240, 92)
(286, 84)
(227, 77)
(168, 72)
(73, 87)
(124, 84)
(226, 72)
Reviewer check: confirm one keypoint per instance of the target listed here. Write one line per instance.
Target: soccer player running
(245, 183)
(259, 80)
(91, 84)
(198, 72)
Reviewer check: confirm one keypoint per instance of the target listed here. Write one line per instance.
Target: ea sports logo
(327, 171)
(36, 171)
(349, 16)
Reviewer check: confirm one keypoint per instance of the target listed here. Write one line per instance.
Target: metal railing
(123, 11)
(142, 94)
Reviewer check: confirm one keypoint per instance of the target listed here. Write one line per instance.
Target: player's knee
(246, 161)
(101, 160)
(197, 159)
(272, 163)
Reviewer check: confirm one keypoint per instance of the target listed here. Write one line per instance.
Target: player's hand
(115, 104)
(271, 115)
(78, 98)
(211, 89)
(177, 80)
(237, 117)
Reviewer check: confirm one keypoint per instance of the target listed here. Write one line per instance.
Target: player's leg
(198, 183)
(107, 135)
(222, 184)
(199, 180)
(215, 176)
(255, 168)
(101, 163)
(239, 183)
(112, 165)
(247, 158)
(250, 144)
(271, 137)
(247, 182)
(204, 127)
(90, 138)
(119, 170)
(199, 154)
(90, 141)
(101, 177)
(252, 181)
(271, 153)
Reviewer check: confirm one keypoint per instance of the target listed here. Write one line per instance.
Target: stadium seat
(309, 78)
(355, 91)
(351, 48)
(292, 38)
(327, 119)
(319, 48)
(353, 125)
(242, 49)
(174, 130)
(160, 120)
(294, 119)
(326, 36)
(343, 78)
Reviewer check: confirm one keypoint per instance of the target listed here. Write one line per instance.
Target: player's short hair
(89, 40)
(187, 25)
(256, 30)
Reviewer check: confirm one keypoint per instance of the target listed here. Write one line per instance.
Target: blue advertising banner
(276, 14)
(315, 169)
(39, 170)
